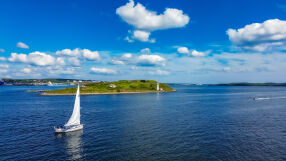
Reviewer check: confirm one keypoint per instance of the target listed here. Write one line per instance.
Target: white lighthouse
(158, 88)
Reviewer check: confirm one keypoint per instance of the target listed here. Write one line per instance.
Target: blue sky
(170, 41)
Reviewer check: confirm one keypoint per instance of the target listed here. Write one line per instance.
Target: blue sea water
(194, 123)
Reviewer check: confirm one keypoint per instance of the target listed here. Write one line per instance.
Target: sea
(195, 123)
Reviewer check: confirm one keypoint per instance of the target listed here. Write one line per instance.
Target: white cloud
(141, 36)
(146, 21)
(26, 70)
(68, 52)
(22, 45)
(141, 18)
(60, 70)
(4, 66)
(67, 71)
(194, 53)
(117, 62)
(35, 58)
(260, 36)
(74, 61)
(151, 60)
(2, 58)
(159, 72)
(197, 53)
(2, 50)
(124, 59)
(102, 71)
(61, 61)
(90, 55)
(18, 58)
(144, 59)
(126, 56)
(183, 50)
(145, 51)
(86, 53)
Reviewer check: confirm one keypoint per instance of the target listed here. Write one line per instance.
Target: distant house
(112, 86)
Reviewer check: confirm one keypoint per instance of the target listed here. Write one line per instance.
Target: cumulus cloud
(61, 70)
(145, 58)
(102, 71)
(90, 55)
(147, 21)
(259, 36)
(26, 70)
(22, 45)
(151, 60)
(126, 56)
(61, 61)
(2, 50)
(35, 58)
(74, 61)
(68, 52)
(117, 62)
(194, 53)
(141, 36)
(141, 18)
(2, 58)
(85, 53)
(183, 50)
(197, 53)
(18, 58)
(159, 72)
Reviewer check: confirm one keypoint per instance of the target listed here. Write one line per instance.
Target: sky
(178, 41)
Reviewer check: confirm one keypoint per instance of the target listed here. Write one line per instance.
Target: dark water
(195, 123)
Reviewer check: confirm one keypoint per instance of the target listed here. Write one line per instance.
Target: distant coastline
(44, 82)
(232, 84)
(248, 84)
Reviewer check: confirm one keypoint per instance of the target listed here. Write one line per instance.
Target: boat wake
(267, 98)
(260, 98)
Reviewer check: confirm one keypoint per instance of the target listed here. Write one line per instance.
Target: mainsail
(75, 117)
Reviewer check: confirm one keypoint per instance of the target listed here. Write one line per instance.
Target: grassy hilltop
(122, 86)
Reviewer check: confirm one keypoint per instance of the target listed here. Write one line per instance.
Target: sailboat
(74, 122)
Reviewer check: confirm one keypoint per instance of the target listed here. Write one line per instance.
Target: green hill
(122, 86)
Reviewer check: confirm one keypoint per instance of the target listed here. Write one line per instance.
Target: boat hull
(68, 129)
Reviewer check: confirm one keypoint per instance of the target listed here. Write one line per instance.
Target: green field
(122, 86)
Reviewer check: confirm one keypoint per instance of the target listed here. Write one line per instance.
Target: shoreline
(69, 94)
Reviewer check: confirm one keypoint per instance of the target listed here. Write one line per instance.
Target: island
(118, 87)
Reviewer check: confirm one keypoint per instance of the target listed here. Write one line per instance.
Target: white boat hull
(68, 129)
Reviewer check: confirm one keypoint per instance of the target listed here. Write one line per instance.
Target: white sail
(158, 86)
(75, 117)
